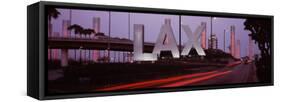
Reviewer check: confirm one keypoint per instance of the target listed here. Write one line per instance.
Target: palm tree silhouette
(261, 33)
(81, 31)
(52, 13)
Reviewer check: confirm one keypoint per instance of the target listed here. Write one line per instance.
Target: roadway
(241, 73)
(232, 74)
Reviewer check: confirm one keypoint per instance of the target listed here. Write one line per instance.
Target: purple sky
(152, 24)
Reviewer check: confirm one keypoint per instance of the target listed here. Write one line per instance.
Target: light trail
(187, 82)
(176, 81)
(154, 82)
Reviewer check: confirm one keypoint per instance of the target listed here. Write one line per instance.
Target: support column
(64, 57)
(65, 34)
(55, 52)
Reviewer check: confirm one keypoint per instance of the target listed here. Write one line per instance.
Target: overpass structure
(113, 44)
(101, 43)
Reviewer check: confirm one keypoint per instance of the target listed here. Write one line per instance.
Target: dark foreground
(112, 77)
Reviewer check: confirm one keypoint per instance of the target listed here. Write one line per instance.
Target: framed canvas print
(81, 50)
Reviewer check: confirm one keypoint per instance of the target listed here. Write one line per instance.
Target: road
(235, 73)
(241, 73)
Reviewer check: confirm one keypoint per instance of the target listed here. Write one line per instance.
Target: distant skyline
(152, 24)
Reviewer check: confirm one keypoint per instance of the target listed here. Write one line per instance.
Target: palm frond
(80, 30)
(53, 13)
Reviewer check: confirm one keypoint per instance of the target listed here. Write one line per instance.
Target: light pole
(129, 31)
(129, 21)
(224, 40)
(211, 40)
(109, 28)
(180, 34)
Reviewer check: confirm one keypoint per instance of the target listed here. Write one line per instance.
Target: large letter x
(193, 40)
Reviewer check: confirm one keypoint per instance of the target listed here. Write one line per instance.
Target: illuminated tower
(96, 24)
(96, 27)
(251, 49)
(65, 34)
(237, 52)
(65, 31)
(232, 40)
(203, 36)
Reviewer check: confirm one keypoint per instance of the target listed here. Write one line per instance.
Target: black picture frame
(37, 45)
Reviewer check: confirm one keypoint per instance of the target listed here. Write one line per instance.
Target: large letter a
(166, 40)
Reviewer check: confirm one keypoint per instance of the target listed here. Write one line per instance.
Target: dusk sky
(152, 24)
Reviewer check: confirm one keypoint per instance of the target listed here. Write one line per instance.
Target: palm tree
(52, 13)
(261, 33)
(81, 31)
(77, 28)
(100, 34)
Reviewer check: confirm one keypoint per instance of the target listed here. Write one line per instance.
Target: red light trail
(187, 82)
(188, 79)
(176, 81)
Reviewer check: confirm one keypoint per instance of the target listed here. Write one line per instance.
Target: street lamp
(180, 23)
(211, 40)
(212, 18)
(224, 40)
(109, 35)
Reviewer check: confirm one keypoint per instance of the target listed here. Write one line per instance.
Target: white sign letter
(166, 40)
(138, 45)
(193, 40)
